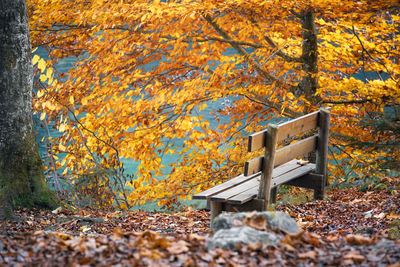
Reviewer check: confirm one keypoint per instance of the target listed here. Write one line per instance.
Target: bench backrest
(284, 131)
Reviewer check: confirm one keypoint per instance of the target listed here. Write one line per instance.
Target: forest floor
(349, 228)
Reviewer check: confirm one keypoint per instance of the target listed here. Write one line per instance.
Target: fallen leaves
(358, 240)
(96, 238)
(348, 211)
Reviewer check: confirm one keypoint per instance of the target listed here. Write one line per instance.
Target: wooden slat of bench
(303, 170)
(255, 165)
(282, 178)
(245, 196)
(287, 129)
(298, 126)
(311, 180)
(224, 186)
(294, 150)
(223, 196)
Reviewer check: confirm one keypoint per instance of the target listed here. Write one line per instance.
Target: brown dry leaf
(289, 247)
(151, 254)
(354, 256)
(62, 236)
(310, 254)
(196, 237)
(258, 223)
(246, 220)
(312, 239)
(178, 247)
(287, 240)
(161, 242)
(118, 233)
(254, 246)
(393, 215)
(295, 238)
(358, 240)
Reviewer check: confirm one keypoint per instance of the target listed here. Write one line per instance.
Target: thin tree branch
(241, 51)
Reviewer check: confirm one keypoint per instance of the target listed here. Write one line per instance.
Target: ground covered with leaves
(351, 227)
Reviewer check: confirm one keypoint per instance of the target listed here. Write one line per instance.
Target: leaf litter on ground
(348, 229)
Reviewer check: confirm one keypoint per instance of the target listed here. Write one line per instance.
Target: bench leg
(273, 194)
(319, 190)
(216, 209)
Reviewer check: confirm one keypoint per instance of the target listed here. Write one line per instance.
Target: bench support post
(322, 152)
(264, 191)
(216, 209)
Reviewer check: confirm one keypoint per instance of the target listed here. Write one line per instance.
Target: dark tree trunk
(22, 181)
(309, 83)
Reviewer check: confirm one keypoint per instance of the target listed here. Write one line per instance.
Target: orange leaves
(147, 75)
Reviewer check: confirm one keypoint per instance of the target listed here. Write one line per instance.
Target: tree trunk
(309, 83)
(22, 181)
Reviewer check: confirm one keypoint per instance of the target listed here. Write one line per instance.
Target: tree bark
(22, 181)
(309, 83)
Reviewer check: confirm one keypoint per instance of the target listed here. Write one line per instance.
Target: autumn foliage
(144, 70)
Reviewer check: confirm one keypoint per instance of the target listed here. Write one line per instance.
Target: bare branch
(355, 101)
(278, 107)
(279, 51)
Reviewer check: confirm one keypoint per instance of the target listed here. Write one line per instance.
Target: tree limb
(240, 50)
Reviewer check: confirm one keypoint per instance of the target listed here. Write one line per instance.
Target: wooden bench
(256, 188)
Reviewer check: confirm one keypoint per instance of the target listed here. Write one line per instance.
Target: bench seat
(231, 193)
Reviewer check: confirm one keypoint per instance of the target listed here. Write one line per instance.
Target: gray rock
(384, 245)
(228, 238)
(276, 220)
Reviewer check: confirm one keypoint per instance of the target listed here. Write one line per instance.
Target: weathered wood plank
(245, 196)
(292, 174)
(255, 165)
(294, 150)
(297, 126)
(284, 168)
(310, 180)
(287, 129)
(287, 173)
(256, 141)
(224, 186)
(223, 196)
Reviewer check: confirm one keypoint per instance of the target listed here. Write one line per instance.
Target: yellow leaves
(61, 147)
(62, 127)
(35, 59)
(49, 73)
(40, 93)
(42, 116)
(41, 65)
(43, 78)
(71, 100)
